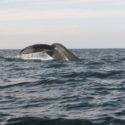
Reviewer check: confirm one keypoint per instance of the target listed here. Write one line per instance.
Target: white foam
(35, 56)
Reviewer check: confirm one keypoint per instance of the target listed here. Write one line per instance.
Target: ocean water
(86, 92)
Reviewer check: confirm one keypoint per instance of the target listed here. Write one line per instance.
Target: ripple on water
(63, 93)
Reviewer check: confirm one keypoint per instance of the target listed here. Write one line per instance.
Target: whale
(57, 51)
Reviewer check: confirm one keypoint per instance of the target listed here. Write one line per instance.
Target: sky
(74, 23)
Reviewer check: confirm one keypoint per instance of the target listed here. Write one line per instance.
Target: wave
(107, 74)
(14, 85)
(45, 121)
(95, 74)
(11, 59)
(110, 120)
(1, 57)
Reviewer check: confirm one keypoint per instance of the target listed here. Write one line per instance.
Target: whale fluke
(61, 52)
(57, 51)
(36, 48)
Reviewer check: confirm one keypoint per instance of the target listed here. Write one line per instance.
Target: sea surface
(86, 92)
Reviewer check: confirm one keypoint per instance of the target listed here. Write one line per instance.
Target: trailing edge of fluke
(57, 51)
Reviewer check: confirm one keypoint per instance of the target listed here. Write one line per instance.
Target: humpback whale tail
(57, 51)
(61, 52)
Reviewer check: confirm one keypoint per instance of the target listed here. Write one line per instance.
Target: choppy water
(90, 91)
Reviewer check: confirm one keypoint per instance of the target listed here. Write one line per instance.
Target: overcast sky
(74, 23)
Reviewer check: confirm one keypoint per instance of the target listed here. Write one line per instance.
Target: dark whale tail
(36, 48)
(56, 51)
(61, 52)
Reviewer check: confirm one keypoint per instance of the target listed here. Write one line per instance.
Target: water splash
(35, 56)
